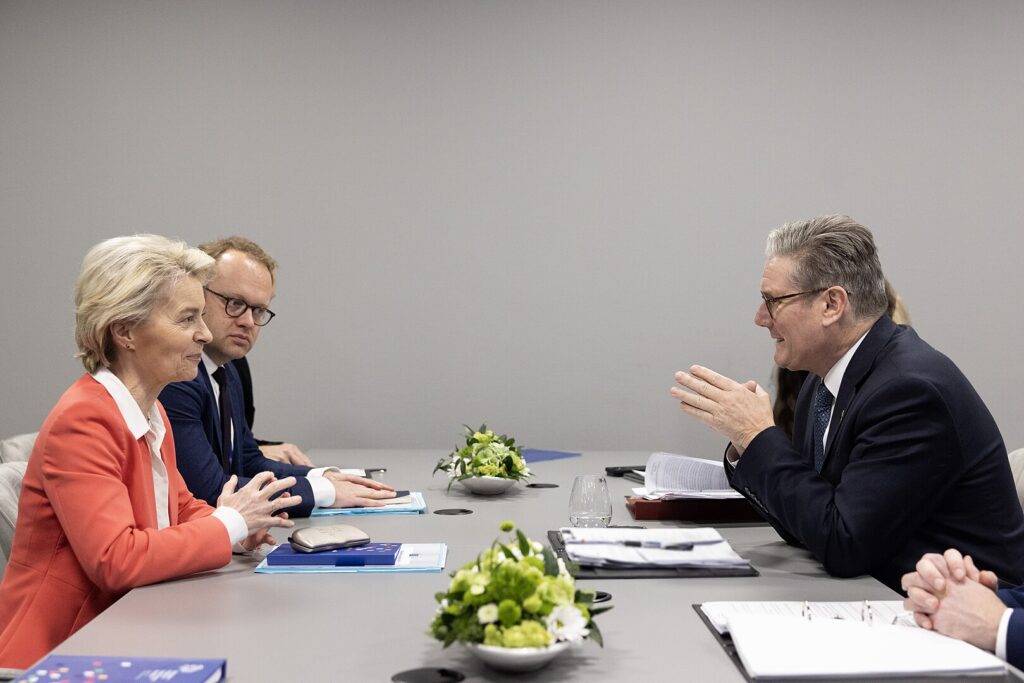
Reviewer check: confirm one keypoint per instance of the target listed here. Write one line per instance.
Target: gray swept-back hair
(122, 280)
(834, 250)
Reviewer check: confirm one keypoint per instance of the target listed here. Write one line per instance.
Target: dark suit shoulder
(177, 397)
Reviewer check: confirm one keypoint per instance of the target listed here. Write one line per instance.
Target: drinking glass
(589, 504)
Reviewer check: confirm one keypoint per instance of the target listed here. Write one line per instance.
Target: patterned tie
(221, 375)
(822, 411)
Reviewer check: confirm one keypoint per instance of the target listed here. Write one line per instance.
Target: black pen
(660, 546)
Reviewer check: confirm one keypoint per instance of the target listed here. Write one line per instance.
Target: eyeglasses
(236, 308)
(771, 301)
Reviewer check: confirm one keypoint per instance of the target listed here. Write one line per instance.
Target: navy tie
(822, 412)
(221, 375)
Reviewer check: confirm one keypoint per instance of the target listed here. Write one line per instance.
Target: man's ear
(837, 302)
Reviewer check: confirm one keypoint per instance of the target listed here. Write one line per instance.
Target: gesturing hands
(737, 411)
(253, 502)
(352, 491)
(950, 595)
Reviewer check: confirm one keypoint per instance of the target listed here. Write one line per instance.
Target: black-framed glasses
(236, 308)
(771, 301)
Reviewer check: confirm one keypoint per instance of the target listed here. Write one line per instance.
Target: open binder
(585, 572)
(726, 641)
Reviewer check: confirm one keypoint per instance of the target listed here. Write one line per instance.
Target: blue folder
(107, 669)
(360, 556)
(423, 557)
(532, 455)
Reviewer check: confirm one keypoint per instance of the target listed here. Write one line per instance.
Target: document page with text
(669, 475)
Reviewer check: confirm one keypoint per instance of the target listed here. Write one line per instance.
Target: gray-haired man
(893, 452)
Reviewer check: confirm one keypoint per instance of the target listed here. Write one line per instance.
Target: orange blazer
(87, 529)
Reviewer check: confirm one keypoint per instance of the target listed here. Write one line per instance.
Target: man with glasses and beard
(893, 453)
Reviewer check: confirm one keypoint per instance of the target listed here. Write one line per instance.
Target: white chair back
(1017, 468)
(11, 474)
(17, 448)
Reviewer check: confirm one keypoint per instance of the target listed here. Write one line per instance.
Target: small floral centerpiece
(484, 455)
(515, 595)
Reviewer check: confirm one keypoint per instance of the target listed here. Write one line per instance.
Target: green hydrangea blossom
(526, 634)
(484, 455)
(514, 595)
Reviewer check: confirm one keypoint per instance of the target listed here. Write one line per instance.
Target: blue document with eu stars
(89, 669)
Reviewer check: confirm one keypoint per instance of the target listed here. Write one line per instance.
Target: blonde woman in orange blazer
(102, 507)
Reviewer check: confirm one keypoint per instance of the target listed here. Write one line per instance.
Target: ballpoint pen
(656, 544)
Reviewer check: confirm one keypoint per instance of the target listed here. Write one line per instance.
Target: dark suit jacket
(245, 378)
(1014, 597)
(914, 463)
(195, 419)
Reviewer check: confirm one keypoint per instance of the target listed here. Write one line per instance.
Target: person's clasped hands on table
(949, 594)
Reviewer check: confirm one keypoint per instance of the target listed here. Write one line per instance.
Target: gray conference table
(366, 627)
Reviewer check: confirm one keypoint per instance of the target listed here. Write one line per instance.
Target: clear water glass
(589, 504)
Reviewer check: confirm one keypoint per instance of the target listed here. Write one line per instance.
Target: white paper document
(602, 547)
(680, 476)
(413, 504)
(773, 647)
(651, 537)
(877, 611)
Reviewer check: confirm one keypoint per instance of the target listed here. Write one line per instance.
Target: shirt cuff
(732, 457)
(323, 490)
(234, 522)
(1004, 627)
(320, 471)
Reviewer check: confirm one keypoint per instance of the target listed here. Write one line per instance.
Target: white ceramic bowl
(516, 658)
(488, 486)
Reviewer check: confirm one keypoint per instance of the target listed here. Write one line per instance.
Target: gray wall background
(530, 213)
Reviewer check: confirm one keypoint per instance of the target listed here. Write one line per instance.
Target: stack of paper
(680, 476)
(413, 504)
(602, 547)
(772, 647)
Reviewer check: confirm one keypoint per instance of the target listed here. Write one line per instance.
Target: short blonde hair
(217, 248)
(122, 280)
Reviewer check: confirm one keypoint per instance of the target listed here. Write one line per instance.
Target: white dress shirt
(834, 379)
(152, 426)
(1004, 627)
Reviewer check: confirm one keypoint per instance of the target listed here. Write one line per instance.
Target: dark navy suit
(1014, 597)
(914, 463)
(195, 420)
